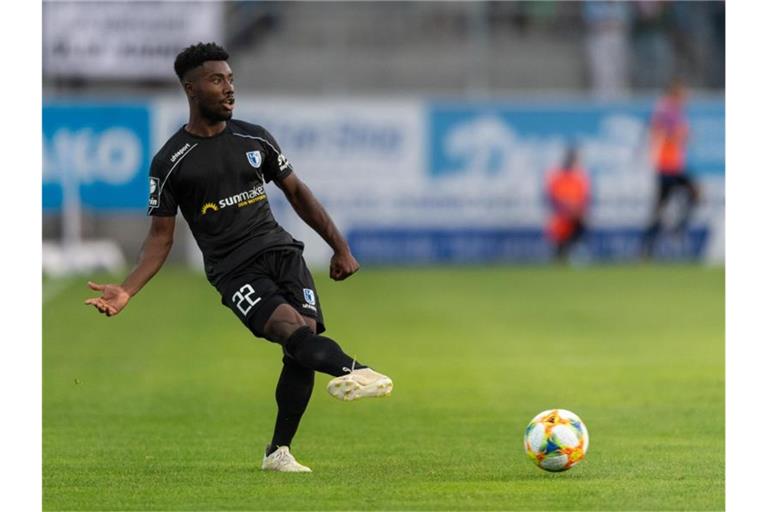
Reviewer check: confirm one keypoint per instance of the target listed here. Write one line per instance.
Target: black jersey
(218, 183)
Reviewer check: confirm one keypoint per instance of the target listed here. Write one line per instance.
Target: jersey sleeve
(162, 202)
(276, 166)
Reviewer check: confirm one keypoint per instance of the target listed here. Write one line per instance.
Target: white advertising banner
(124, 40)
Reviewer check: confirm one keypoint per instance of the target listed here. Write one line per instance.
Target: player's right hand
(113, 298)
(343, 265)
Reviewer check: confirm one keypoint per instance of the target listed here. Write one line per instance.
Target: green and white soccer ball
(556, 440)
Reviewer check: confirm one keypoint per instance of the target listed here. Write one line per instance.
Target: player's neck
(202, 127)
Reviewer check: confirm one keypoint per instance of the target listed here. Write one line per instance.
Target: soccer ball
(556, 440)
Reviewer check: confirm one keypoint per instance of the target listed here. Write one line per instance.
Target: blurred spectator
(669, 137)
(607, 25)
(568, 196)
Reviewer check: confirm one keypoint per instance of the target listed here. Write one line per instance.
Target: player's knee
(311, 323)
(283, 322)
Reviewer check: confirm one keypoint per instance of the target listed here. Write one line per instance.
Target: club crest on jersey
(254, 158)
(309, 296)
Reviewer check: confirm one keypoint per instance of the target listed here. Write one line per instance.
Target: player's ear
(189, 89)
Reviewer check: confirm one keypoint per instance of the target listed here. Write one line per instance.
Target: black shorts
(260, 285)
(668, 183)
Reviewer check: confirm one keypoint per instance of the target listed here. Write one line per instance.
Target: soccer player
(669, 136)
(214, 169)
(568, 195)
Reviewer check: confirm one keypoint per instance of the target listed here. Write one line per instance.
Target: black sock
(319, 353)
(294, 388)
(649, 238)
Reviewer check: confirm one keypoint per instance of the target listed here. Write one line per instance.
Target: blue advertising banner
(105, 147)
(491, 139)
(396, 246)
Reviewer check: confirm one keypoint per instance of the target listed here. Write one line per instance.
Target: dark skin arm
(154, 251)
(306, 205)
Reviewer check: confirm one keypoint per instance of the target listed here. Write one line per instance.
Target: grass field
(168, 406)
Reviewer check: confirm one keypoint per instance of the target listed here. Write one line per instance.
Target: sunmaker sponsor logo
(209, 207)
(240, 200)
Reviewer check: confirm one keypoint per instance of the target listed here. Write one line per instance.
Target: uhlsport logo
(180, 152)
(254, 158)
(240, 200)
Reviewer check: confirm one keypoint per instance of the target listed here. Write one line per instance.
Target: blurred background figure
(607, 42)
(669, 133)
(446, 119)
(568, 197)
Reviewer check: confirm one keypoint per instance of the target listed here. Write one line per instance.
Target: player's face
(213, 90)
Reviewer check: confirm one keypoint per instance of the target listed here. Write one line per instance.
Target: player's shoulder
(238, 126)
(253, 131)
(172, 151)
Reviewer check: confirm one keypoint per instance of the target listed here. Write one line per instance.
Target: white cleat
(362, 383)
(282, 460)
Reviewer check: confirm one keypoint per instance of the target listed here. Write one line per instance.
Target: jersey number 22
(242, 299)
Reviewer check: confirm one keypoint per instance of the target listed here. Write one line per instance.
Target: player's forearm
(312, 212)
(153, 255)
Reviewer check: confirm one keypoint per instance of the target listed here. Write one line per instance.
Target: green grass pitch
(168, 406)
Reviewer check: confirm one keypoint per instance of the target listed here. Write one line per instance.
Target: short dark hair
(194, 56)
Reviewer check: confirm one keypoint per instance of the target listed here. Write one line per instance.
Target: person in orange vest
(568, 196)
(669, 137)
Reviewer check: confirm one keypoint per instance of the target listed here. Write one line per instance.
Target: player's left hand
(343, 265)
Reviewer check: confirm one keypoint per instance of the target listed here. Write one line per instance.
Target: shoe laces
(344, 368)
(284, 456)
